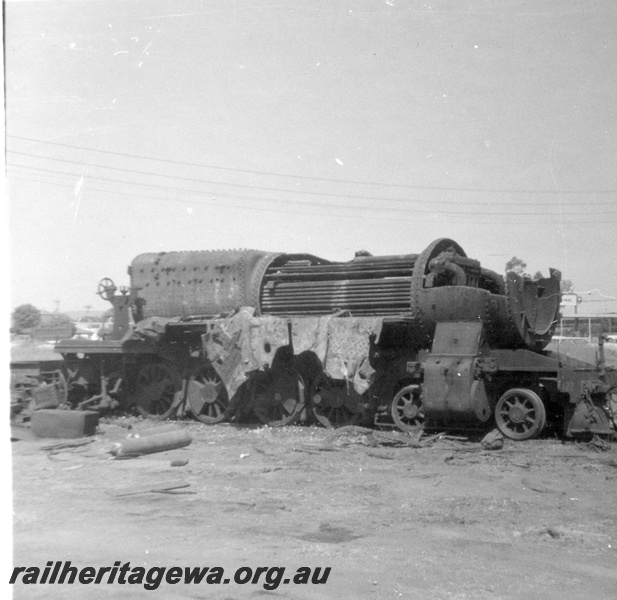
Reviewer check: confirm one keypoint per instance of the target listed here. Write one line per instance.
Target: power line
(320, 204)
(284, 190)
(213, 202)
(323, 179)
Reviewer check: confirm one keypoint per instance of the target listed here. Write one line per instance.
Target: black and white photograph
(311, 299)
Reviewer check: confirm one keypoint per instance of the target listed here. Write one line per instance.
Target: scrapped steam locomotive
(405, 340)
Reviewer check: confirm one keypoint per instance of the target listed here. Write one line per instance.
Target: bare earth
(536, 519)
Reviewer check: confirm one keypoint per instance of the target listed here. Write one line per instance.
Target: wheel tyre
(333, 417)
(520, 414)
(157, 387)
(330, 403)
(281, 401)
(406, 409)
(207, 397)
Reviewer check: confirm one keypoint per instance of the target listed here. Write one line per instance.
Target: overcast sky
(308, 126)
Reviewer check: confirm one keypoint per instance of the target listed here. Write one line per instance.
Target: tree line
(27, 317)
(519, 266)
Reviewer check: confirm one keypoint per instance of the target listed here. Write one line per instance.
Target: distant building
(587, 315)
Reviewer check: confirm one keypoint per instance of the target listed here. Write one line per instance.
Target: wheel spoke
(335, 404)
(288, 407)
(207, 396)
(156, 388)
(407, 410)
(520, 414)
(280, 399)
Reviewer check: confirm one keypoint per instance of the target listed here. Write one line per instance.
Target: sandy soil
(450, 520)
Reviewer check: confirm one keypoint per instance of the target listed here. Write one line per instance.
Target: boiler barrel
(440, 284)
(198, 283)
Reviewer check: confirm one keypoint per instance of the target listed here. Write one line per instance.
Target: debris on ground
(149, 444)
(21, 433)
(352, 434)
(535, 486)
(65, 446)
(54, 423)
(493, 440)
(599, 444)
(161, 487)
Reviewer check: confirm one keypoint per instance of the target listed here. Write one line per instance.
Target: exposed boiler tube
(376, 286)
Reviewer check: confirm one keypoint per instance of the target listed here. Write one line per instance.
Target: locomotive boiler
(403, 339)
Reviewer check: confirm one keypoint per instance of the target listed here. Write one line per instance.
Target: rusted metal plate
(452, 389)
(533, 307)
(244, 343)
(182, 284)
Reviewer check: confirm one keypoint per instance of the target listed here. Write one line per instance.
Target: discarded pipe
(151, 444)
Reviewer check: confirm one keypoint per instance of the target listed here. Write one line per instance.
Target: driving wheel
(156, 389)
(407, 411)
(207, 396)
(334, 403)
(520, 414)
(279, 398)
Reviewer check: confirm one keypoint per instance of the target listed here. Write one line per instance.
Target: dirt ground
(535, 519)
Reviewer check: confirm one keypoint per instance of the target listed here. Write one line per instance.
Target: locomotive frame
(403, 340)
